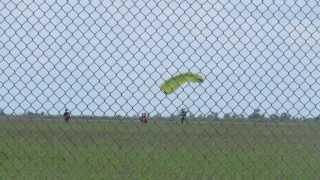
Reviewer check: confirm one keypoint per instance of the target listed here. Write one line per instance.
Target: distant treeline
(255, 116)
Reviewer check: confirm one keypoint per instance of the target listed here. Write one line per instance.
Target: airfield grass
(158, 150)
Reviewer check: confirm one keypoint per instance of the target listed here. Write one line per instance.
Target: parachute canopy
(172, 84)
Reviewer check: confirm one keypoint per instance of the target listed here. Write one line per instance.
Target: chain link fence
(255, 116)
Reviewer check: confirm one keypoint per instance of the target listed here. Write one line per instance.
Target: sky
(110, 57)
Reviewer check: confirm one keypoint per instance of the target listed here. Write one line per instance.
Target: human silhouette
(183, 115)
(66, 115)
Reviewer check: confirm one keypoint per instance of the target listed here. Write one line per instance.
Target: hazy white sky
(107, 57)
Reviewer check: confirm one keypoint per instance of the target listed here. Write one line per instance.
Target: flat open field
(158, 150)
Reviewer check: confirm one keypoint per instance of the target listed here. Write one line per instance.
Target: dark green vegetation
(158, 150)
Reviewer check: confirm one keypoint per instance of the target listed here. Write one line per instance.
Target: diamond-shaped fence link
(255, 115)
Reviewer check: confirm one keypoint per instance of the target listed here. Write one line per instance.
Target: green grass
(158, 150)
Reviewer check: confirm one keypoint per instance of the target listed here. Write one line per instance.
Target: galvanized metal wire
(104, 61)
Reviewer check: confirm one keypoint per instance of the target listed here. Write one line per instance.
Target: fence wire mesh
(255, 115)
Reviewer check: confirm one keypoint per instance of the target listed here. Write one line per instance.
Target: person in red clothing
(66, 115)
(144, 118)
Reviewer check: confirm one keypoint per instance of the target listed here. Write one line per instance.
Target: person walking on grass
(144, 118)
(66, 115)
(183, 115)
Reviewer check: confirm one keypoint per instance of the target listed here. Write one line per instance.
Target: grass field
(158, 150)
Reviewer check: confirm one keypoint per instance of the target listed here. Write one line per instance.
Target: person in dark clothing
(183, 115)
(66, 115)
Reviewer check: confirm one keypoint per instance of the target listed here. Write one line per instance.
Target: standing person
(183, 115)
(144, 118)
(66, 115)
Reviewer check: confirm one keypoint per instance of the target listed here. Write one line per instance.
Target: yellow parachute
(172, 84)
